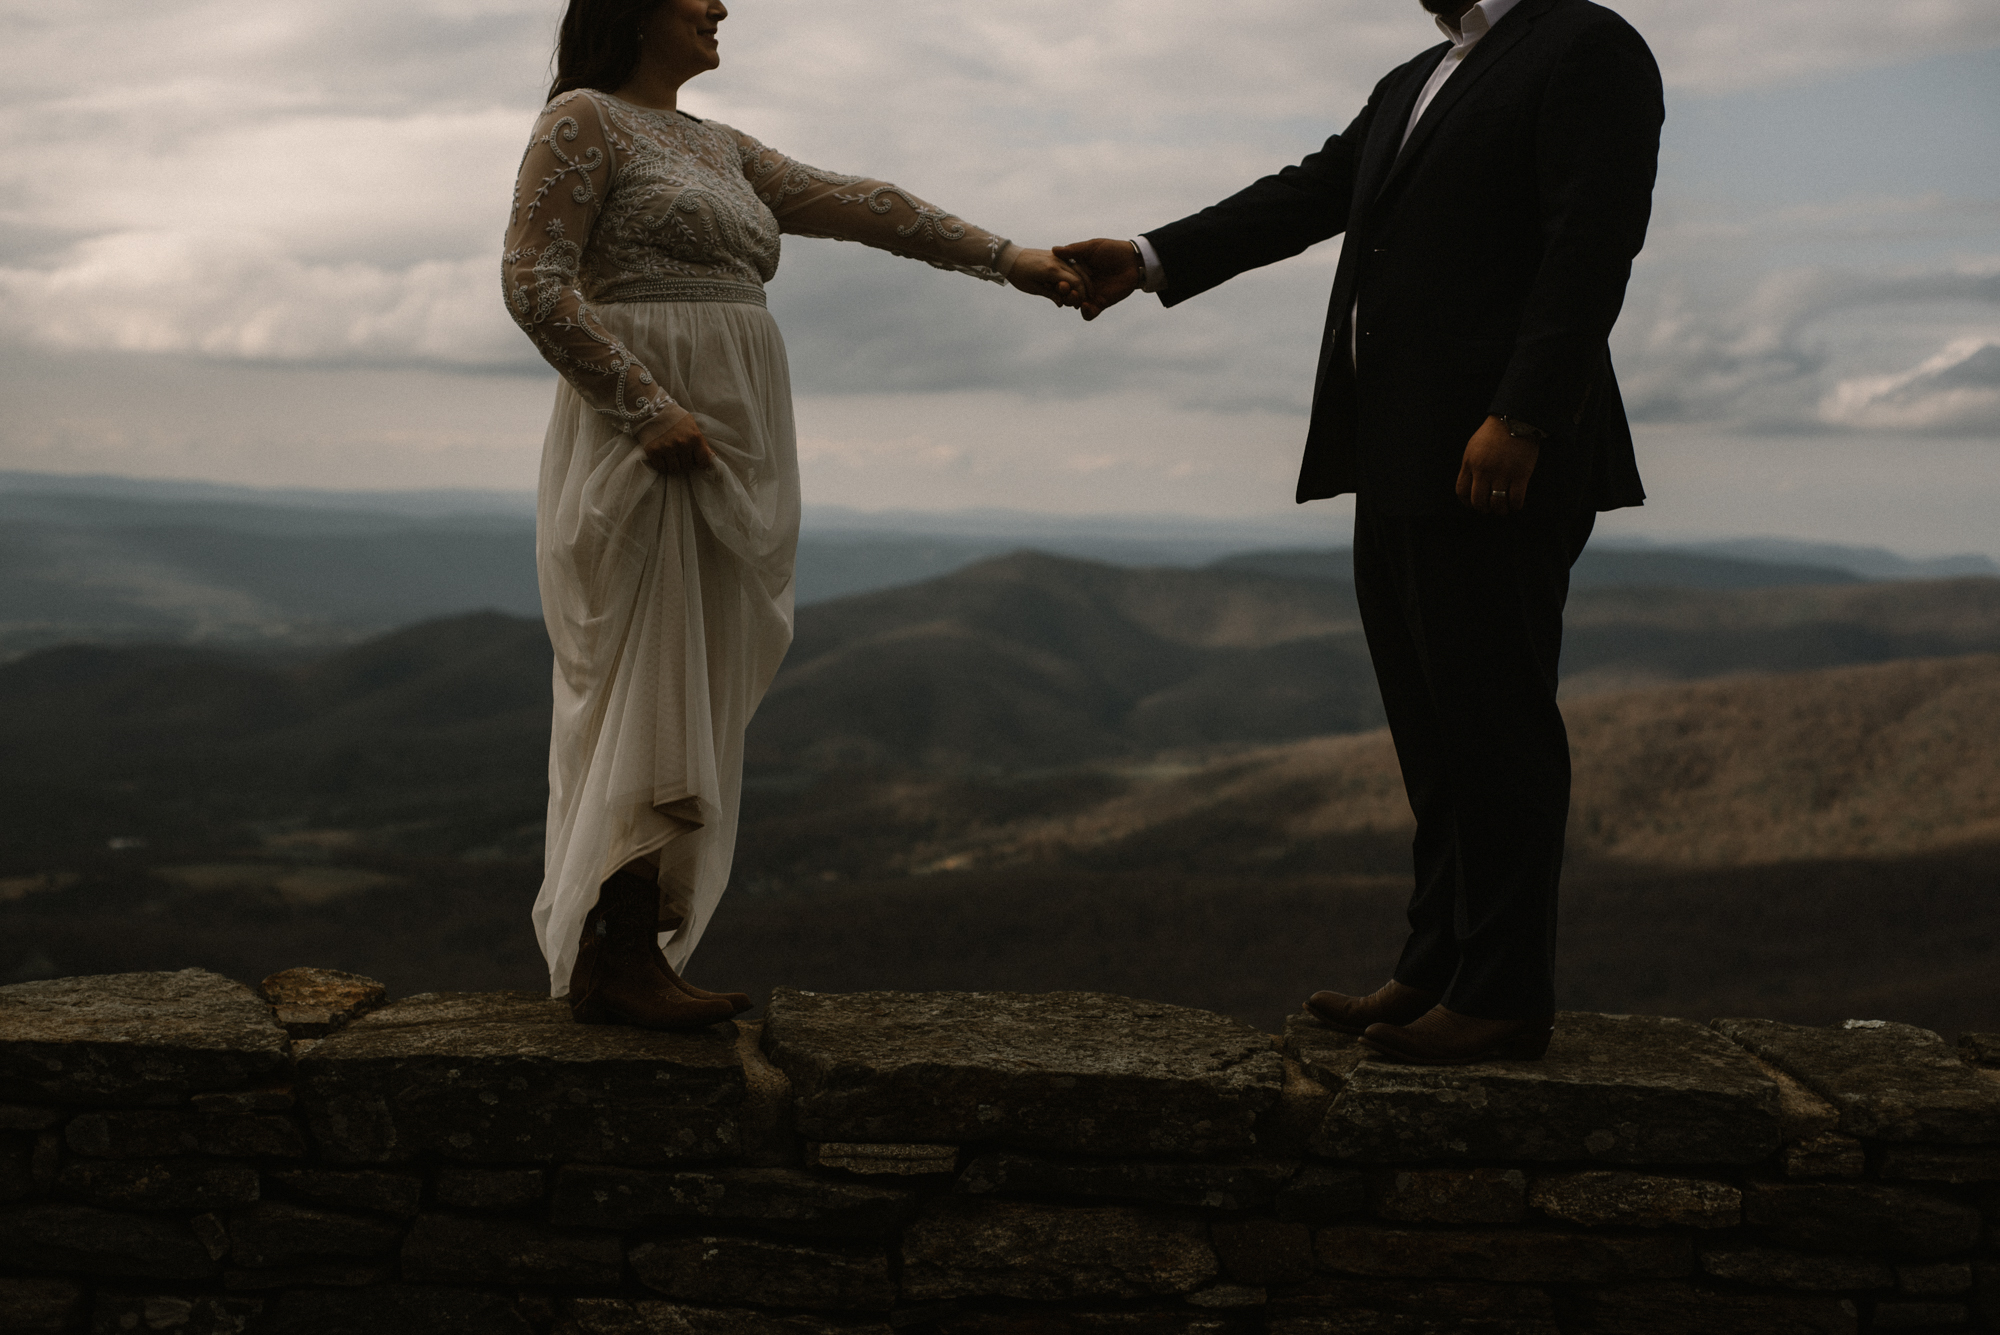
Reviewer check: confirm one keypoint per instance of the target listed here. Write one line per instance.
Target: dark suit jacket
(1490, 256)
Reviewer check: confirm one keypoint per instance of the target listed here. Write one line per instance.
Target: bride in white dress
(637, 253)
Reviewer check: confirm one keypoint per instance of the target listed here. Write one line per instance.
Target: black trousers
(1463, 614)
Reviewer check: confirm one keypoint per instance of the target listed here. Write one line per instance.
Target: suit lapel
(1483, 57)
(1379, 154)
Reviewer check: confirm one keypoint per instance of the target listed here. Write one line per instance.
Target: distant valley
(249, 733)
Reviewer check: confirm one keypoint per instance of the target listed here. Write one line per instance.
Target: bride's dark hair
(598, 44)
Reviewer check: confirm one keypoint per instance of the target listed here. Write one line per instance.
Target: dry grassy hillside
(1893, 759)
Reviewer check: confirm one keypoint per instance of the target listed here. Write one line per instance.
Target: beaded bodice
(621, 203)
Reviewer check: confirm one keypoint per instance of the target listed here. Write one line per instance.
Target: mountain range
(120, 561)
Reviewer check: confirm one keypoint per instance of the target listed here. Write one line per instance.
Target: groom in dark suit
(1493, 194)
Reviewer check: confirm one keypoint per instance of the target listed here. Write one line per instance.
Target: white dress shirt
(1474, 24)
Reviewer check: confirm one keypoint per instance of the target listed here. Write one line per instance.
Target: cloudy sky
(258, 244)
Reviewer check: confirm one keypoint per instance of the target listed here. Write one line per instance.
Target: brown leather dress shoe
(1445, 1038)
(1392, 1003)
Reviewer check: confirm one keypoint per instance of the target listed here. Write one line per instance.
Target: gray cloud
(1776, 362)
(323, 184)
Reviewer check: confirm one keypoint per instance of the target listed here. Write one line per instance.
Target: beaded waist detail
(681, 289)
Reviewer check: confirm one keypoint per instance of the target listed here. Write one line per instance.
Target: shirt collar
(1477, 21)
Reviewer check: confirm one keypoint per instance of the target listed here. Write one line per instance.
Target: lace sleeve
(811, 202)
(557, 197)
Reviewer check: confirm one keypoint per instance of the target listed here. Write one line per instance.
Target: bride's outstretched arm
(557, 198)
(810, 202)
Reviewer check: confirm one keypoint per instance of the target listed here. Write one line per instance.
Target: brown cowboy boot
(1445, 1038)
(738, 1001)
(1392, 1003)
(616, 979)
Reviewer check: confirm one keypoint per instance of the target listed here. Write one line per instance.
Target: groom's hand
(1114, 270)
(1493, 479)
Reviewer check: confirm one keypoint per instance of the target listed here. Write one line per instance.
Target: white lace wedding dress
(636, 259)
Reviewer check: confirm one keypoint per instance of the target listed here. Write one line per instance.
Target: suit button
(1381, 250)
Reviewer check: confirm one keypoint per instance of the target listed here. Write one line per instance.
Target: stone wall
(181, 1153)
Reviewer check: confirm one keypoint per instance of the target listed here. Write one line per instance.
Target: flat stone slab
(312, 1003)
(1889, 1081)
(1233, 1186)
(780, 1200)
(1621, 1089)
(1044, 1253)
(1980, 1049)
(134, 1039)
(509, 1077)
(1068, 1071)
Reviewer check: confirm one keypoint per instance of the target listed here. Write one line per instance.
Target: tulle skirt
(669, 604)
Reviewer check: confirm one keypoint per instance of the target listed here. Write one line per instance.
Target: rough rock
(1677, 1309)
(1986, 1290)
(39, 1306)
(312, 1003)
(1327, 1055)
(363, 1189)
(180, 1184)
(1941, 1163)
(764, 1122)
(1625, 1089)
(1286, 1130)
(325, 1275)
(491, 1188)
(1526, 1256)
(1453, 1196)
(134, 1039)
(20, 1117)
(83, 1239)
(391, 1307)
(1946, 1280)
(1064, 1071)
(1263, 1252)
(509, 1077)
(277, 1233)
(963, 1248)
(183, 1315)
(1828, 1154)
(44, 1160)
(1330, 1306)
(270, 1098)
(621, 1316)
(1802, 1114)
(455, 1249)
(780, 1200)
(1889, 1081)
(146, 1135)
(1093, 1323)
(1778, 1268)
(1980, 1049)
(1233, 1186)
(883, 1160)
(1920, 1316)
(1860, 1217)
(17, 1168)
(1323, 1194)
(726, 1271)
(1638, 1200)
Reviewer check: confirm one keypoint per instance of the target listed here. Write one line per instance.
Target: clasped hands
(1492, 477)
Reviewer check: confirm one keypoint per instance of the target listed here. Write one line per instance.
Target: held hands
(1039, 273)
(1113, 268)
(679, 450)
(1494, 477)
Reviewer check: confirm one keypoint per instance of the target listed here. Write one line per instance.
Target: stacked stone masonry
(181, 1153)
